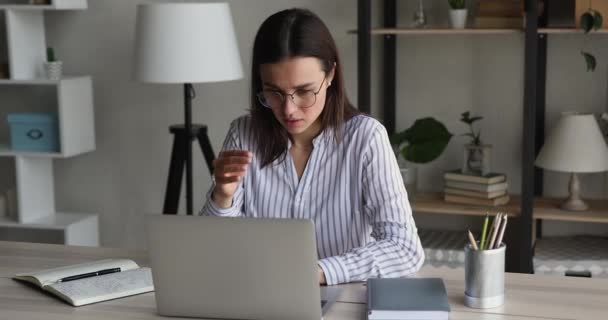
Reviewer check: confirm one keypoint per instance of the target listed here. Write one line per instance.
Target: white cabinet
(72, 101)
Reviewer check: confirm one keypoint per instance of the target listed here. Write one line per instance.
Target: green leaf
(398, 138)
(457, 4)
(597, 20)
(590, 60)
(426, 138)
(475, 119)
(587, 21)
(50, 54)
(424, 152)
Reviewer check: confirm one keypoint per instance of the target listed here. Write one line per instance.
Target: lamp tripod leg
(178, 160)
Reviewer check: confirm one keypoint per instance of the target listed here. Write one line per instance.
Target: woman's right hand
(229, 168)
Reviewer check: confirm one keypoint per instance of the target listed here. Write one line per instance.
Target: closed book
(500, 8)
(457, 175)
(481, 187)
(499, 23)
(86, 283)
(407, 298)
(476, 201)
(475, 194)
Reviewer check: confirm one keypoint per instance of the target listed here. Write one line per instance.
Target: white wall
(439, 76)
(126, 176)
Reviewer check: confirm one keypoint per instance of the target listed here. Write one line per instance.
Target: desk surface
(527, 296)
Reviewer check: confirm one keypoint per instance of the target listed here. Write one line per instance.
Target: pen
(503, 226)
(472, 240)
(90, 274)
(483, 233)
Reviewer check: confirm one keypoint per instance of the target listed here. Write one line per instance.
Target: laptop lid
(245, 268)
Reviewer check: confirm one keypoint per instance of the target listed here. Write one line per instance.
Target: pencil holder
(484, 274)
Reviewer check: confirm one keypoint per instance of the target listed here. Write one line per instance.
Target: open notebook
(93, 281)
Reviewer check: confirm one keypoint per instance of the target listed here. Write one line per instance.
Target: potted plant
(52, 67)
(590, 20)
(458, 14)
(476, 154)
(423, 142)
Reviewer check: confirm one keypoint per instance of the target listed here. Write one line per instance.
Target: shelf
(432, 202)
(440, 31)
(472, 31)
(569, 31)
(55, 5)
(43, 82)
(75, 116)
(58, 221)
(544, 208)
(5, 151)
(548, 209)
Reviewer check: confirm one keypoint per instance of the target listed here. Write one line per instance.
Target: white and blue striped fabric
(353, 191)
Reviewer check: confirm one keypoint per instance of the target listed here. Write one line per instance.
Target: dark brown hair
(286, 34)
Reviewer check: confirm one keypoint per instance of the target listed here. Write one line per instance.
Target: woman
(306, 152)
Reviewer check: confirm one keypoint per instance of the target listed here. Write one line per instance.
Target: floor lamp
(185, 43)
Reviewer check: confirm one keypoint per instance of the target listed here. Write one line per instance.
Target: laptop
(235, 268)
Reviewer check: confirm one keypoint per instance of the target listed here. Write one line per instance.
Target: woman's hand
(321, 276)
(229, 168)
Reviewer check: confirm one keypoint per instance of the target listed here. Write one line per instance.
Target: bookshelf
(529, 208)
(34, 217)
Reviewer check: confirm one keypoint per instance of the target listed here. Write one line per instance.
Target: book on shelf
(407, 298)
(502, 200)
(92, 282)
(457, 175)
(499, 23)
(480, 187)
(500, 8)
(475, 194)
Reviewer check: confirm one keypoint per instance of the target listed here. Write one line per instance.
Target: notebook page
(104, 287)
(49, 276)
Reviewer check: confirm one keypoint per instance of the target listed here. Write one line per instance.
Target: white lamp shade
(575, 144)
(185, 43)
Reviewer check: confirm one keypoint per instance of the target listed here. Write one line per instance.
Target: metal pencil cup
(484, 274)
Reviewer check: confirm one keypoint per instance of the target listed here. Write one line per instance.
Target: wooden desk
(528, 296)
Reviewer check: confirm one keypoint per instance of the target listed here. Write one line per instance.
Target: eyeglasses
(301, 98)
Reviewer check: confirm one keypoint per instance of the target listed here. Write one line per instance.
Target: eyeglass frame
(260, 95)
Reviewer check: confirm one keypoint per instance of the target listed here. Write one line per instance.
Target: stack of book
(488, 190)
(500, 14)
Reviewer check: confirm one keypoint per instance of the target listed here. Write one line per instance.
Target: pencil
(494, 230)
(503, 226)
(472, 241)
(483, 233)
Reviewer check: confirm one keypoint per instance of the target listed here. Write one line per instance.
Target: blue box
(34, 132)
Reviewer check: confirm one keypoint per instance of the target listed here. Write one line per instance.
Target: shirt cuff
(214, 209)
(335, 270)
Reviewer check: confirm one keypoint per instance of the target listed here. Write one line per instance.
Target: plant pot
(477, 159)
(458, 18)
(53, 70)
(410, 178)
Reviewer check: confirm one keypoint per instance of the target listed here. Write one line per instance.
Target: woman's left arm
(397, 250)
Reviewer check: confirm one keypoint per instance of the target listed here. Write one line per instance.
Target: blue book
(407, 298)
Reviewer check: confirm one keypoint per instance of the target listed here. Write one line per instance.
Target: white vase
(410, 178)
(53, 70)
(477, 159)
(458, 18)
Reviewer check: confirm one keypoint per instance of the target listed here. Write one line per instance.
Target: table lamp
(185, 43)
(574, 145)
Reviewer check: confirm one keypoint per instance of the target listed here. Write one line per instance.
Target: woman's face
(305, 79)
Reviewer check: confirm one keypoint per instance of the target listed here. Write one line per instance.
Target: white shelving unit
(37, 219)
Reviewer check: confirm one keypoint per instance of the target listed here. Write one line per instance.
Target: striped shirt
(352, 191)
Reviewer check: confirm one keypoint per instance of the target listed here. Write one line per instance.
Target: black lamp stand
(181, 153)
